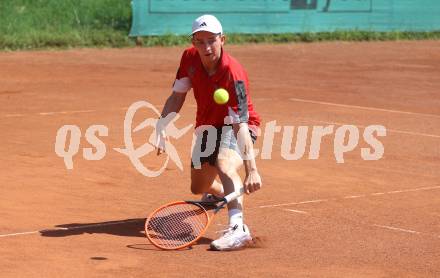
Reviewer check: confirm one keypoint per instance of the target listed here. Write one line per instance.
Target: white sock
(235, 217)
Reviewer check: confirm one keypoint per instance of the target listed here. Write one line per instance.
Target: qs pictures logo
(345, 139)
(67, 149)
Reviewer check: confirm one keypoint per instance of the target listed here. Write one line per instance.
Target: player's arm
(240, 117)
(172, 106)
(252, 181)
(174, 103)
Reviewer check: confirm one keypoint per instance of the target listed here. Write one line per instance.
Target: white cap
(208, 23)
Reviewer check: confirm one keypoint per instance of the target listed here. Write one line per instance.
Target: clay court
(317, 217)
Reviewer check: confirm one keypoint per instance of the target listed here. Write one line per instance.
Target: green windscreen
(158, 17)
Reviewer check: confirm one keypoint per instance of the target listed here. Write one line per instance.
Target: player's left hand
(160, 137)
(252, 182)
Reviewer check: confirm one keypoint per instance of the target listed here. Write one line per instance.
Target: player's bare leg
(203, 181)
(228, 164)
(237, 235)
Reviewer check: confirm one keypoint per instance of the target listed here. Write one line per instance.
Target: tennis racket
(180, 224)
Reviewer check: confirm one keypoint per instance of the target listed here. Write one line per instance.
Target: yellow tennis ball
(221, 96)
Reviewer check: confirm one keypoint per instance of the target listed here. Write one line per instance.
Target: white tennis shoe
(235, 237)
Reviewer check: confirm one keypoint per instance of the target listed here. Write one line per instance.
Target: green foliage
(28, 24)
(19, 16)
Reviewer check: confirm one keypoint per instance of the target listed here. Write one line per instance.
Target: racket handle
(234, 195)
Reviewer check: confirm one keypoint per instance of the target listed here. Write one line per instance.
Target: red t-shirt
(231, 76)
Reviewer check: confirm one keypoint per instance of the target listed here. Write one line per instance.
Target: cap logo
(202, 24)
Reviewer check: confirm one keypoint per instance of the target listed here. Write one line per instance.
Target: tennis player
(225, 134)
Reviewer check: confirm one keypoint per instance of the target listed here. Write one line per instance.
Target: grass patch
(29, 24)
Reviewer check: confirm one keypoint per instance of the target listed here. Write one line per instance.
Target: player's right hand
(252, 182)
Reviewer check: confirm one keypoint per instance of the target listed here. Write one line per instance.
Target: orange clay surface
(316, 217)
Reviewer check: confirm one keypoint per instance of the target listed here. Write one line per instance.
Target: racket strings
(177, 225)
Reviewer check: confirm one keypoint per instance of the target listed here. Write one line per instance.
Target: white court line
(266, 206)
(297, 211)
(412, 190)
(388, 129)
(363, 107)
(413, 133)
(264, 99)
(19, 234)
(397, 229)
(297, 203)
(397, 191)
(388, 170)
(353, 196)
(71, 228)
(413, 66)
(313, 120)
(65, 112)
(13, 115)
(51, 113)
